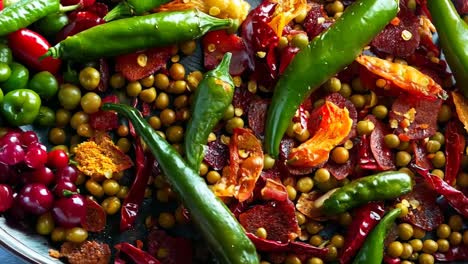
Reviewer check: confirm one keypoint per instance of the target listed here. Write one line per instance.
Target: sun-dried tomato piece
(138, 65)
(423, 210)
(178, 249)
(413, 117)
(105, 120)
(382, 154)
(217, 43)
(306, 205)
(404, 77)
(216, 154)
(256, 116)
(335, 125)
(245, 166)
(461, 107)
(278, 219)
(399, 39)
(316, 20)
(342, 102)
(96, 218)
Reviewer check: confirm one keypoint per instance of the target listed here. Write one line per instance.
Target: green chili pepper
(219, 227)
(26, 12)
(373, 248)
(326, 55)
(133, 7)
(381, 186)
(212, 98)
(21, 107)
(155, 30)
(453, 36)
(19, 78)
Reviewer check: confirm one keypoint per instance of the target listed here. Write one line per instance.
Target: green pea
(402, 158)
(357, 85)
(333, 85)
(391, 140)
(439, 137)
(445, 113)
(432, 146)
(365, 127)
(380, 111)
(358, 100)
(438, 160)
(345, 90)
(300, 40)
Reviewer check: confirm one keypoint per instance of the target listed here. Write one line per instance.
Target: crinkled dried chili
(455, 253)
(136, 255)
(454, 148)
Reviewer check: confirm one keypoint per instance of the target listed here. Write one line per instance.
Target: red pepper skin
(28, 46)
(135, 254)
(82, 21)
(390, 260)
(454, 148)
(454, 197)
(366, 218)
(455, 253)
(105, 120)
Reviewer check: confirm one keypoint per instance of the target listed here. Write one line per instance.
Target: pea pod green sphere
(382, 186)
(212, 97)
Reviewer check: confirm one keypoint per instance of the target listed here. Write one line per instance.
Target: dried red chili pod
(455, 253)
(135, 254)
(365, 219)
(454, 149)
(28, 46)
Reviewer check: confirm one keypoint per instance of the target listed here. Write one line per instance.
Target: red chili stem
(137, 255)
(366, 218)
(454, 148)
(454, 197)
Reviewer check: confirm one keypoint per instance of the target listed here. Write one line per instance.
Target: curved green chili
(325, 55)
(26, 12)
(453, 36)
(381, 186)
(218, 225)
(136, 33)
(213, 96)
(133, 7)
(373, 248)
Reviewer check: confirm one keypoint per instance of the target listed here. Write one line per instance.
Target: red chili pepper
(83, 3)
(82, 21)
(366, 159)
(454, 148)
(104, 71)
(291, 247)
(131, 205)
(28, 46)
(1, 4)
(135, 254)
(366, 218)
(287, 55)
(455, 253)
(105, 120)
(454, 197)
(390, 260)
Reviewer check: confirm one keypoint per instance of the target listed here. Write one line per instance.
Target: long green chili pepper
(133, 7)
(127, 35)
(373, 248)
(26, 12)
(377, 187)
(325, 55)
(219, 227)
(212, 98)
(453, 36)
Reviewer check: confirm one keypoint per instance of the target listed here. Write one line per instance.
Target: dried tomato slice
(316, 20)
(96, 218)
(257, 115)
(179, 250)
(105, 120)
(246, 164)
(382, 154)
(138, 65)
(278, 218)
(216, 154)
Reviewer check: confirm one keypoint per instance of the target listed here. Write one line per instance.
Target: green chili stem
(123, 9)
(64, 9)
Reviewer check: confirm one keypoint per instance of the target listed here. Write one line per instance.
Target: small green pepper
(6, 56)
(18, 79)
(156, 30)
(46, 117)
(373, 248)
(50, 25)
(5, 72)
(381, 186)
(224, 234)
(133, 7)
(44, 84)
(453, 36)
(213, 96)
(21, 107)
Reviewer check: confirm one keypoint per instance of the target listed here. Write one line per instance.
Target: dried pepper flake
(138, 65)
(454, 149)
(461, 107)
(405, 77)
(335, 125)
(100, 157)
(246, 165)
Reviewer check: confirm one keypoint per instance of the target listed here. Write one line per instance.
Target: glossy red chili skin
(366, 218)
(81, 21)
(28, 46)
